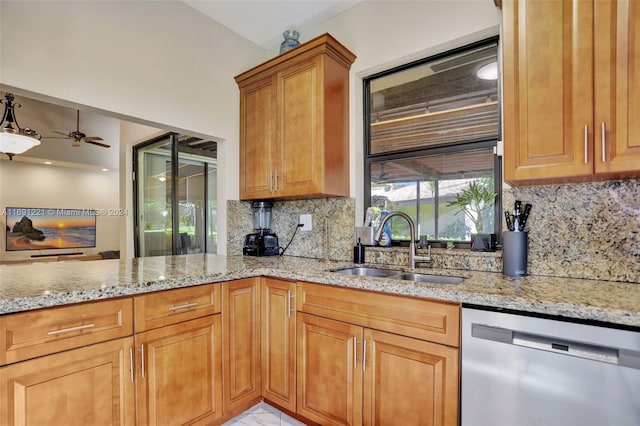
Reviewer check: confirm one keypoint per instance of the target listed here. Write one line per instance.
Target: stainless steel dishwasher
(520, 370)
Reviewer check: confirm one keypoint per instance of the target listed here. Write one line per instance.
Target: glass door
(176, 196)
(191, 206)
(154, 207)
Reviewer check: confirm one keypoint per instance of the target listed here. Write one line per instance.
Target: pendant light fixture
(13, 139)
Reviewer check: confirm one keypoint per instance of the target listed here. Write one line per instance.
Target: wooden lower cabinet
(92, 385)
(334, 356)
(350, 375)
(409, 381)
(179, 373)
(241, 342)
(278, 342)
(329, 374)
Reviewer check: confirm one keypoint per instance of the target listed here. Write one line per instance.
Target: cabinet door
(300, 144)
(241, 343)
(257, 137)
(617, 83)
(409, 381)
(179, 379)
(278, 347)
(547, 89)
(329, 372)
(87, 386)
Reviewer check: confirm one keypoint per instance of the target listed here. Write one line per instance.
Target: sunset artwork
(45, 229)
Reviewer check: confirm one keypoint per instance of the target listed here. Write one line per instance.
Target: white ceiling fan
(78, 137)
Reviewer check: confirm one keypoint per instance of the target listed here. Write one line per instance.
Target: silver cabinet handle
(289, 310)
(364, 356)
(67, 330)
(276, 173)
(142, 357)
(185, 306)
(604, 142)
(586, 144)
(355, 349)
(131, 362)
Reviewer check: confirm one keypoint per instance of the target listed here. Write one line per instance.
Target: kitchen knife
(507, 217)
(525, 216)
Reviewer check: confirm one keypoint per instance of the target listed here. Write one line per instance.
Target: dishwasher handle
(622, 357)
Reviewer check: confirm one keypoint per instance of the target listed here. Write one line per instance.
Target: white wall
(41, 186)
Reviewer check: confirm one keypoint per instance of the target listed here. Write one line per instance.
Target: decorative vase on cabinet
(290, 40)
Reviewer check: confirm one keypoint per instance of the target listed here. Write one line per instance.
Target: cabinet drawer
(436, 321)
(173, 306)
(36, 333)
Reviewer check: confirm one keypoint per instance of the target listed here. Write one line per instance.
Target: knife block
(515, 253)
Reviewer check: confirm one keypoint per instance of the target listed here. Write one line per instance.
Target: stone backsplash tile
(337, 212)
(587, 230)
(440, 258)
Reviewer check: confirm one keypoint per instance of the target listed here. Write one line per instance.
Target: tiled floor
(263, 414)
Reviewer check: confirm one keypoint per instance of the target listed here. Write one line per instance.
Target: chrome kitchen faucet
(413, 254)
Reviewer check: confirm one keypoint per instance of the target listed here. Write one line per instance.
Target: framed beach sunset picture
(50, 228)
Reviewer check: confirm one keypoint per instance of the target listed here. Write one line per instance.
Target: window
(431, 129)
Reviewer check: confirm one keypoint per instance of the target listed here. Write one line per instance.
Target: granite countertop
(32, 286)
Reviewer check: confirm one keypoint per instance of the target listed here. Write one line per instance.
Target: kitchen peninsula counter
(31, 286)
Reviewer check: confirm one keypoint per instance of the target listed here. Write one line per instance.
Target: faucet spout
(413, 254)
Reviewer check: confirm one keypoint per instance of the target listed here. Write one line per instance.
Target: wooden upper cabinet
(257, 138)
(294, 123)
(547, 95)
(567, 81)
(617, 86)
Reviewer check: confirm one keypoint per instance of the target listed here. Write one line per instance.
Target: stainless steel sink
(368, 271)
(429, 278)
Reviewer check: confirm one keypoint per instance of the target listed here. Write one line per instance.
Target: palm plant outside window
(431, 131)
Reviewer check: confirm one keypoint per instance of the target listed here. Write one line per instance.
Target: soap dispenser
(358, 253)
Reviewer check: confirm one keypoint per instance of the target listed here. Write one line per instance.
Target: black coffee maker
(262, 242)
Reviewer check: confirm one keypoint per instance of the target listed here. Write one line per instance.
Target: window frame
(370, 158)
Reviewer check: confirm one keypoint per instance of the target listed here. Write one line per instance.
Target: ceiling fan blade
(55, 137)
(60, 133)
(93, 138)
(104, 145)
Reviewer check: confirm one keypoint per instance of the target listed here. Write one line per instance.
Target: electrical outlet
(305, 220)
